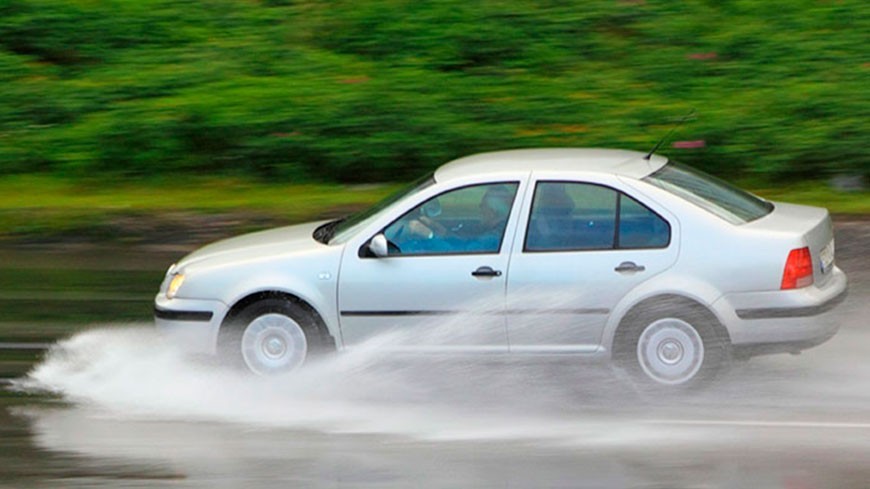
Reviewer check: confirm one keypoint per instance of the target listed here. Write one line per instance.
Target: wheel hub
(273, 343)
(670, 351)
(274, 346)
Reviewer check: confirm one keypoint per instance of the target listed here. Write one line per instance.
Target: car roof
(613, 161)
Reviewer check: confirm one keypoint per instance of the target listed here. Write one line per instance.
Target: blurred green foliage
(357, 91)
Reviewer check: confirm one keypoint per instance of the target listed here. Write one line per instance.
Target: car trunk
(811, 226)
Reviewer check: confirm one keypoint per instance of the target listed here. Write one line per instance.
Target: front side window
(709, 193)
(466, 220)
(568, 216)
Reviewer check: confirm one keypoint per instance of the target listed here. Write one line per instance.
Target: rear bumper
(792, 312)
(190, 323)
(783, 321)
(755, 349)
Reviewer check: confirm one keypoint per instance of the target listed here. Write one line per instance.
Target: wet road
(135, 413)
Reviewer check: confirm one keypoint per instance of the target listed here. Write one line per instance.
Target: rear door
(581, 246)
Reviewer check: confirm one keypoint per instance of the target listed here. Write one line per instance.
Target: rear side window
(570, 216)
(710, 193)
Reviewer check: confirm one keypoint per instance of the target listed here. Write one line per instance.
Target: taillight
(798, 269)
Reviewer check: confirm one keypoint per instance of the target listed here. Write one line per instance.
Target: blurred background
(132, 131)
(350, 91)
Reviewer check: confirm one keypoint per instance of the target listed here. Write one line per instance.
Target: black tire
(270, 336)
(674, 346)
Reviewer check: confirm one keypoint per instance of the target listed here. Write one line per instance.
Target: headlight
(174, 285)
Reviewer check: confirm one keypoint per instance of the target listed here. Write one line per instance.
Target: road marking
(762, 424)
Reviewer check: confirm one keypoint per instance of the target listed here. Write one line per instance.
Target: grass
(45, 206)
(381, 90)
(43, 193)
(39, 206)
(821, 195)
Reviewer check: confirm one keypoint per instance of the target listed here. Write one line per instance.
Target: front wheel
(269, 337)
(675, 349)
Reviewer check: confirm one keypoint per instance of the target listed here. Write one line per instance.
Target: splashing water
(135, 373)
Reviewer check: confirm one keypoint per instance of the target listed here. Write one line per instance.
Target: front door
(442, 285)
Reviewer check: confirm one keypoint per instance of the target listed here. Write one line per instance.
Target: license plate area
(826, 257)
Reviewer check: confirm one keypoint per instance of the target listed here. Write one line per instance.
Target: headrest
(498, 198)
(552, 199)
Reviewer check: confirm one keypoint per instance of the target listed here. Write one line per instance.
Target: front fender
(312, 277)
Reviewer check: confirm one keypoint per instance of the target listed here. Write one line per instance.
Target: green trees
(381, 90)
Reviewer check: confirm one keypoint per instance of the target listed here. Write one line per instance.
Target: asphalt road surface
(130, 411)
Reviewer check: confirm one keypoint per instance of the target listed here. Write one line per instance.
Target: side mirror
(378, 246)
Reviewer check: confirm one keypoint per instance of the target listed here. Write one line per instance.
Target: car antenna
(680, 123)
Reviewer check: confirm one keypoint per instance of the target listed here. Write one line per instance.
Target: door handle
(486, 272)
(629, 266)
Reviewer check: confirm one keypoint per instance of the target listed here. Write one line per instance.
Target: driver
(495, 206)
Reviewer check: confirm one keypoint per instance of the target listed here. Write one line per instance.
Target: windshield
(337, 232)
(710, 193)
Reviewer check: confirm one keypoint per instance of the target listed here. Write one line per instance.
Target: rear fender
(686, 286)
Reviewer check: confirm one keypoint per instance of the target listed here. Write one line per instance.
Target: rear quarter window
(639, 227)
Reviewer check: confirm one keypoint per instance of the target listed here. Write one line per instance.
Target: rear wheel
(671, 348)
(270, 336)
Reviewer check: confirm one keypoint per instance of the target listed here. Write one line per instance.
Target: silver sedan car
(587, 253)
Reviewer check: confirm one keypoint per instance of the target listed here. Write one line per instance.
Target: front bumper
(193, 324)
(790, 320)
